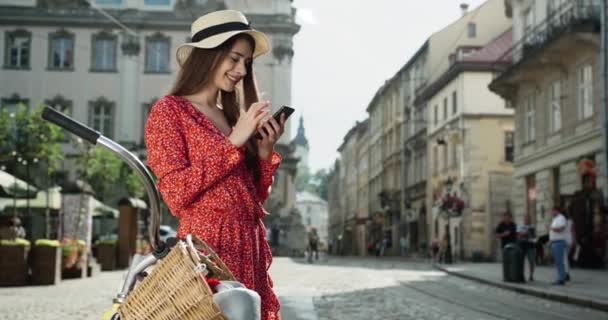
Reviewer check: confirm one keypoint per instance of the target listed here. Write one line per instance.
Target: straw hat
(213, 29)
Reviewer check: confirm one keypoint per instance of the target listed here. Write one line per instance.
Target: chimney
(465, 8)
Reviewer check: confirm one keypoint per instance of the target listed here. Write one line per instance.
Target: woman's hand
(271, 131)
(248, 122)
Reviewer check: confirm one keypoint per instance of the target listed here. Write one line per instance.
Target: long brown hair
(196, 73)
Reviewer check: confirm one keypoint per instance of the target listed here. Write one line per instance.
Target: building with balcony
(553, 85)
(474, 28)
(470, 148)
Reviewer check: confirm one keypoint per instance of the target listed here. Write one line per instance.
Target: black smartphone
(277, 116)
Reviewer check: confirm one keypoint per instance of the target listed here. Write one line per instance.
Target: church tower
(301, 145)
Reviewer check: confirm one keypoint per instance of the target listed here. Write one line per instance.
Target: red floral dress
(204, 181)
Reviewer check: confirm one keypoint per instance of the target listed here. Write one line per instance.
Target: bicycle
(175, 280)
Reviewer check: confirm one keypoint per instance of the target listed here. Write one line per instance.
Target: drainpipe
(604, 93)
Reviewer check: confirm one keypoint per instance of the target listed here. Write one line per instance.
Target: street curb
(583, 302)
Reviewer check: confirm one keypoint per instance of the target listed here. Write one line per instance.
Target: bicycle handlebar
(70, 125)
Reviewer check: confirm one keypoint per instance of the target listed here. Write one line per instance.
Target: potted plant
(45, 262)
(13, 264)
(73, 251)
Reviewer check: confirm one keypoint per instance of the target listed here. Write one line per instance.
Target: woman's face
(234, 67)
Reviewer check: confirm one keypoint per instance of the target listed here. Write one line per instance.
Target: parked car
(166, 232)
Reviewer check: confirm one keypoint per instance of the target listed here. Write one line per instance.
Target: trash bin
(513, 263)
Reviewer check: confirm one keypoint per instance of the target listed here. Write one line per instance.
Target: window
(454, 103)
(585, 92)
(104, 52)
(445, 108)
(555, 108)
(157, 54)
(61, 50)
(12, 103)
(436, 114)
(472, 30)
(101, 116)
(530, 119)
(64, 106)
(17, 53)
(509, 146)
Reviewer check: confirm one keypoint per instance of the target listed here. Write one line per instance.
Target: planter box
(13, 265)
(106, 256)
(77, 271)
(46, 265)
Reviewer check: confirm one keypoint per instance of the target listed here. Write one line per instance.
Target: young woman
(212, 172)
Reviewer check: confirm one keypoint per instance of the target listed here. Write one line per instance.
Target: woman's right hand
(248, 123)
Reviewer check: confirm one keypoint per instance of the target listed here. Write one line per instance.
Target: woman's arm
(267, 170)
(181, 181)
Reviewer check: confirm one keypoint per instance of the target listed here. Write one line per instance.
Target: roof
(483, 60)
(494, 50)
(410, 62)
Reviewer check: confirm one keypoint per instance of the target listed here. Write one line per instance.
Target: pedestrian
(313, 244)
(213, 173)
(506, 230)
(526, 233)
(557, 237)
(570, 236)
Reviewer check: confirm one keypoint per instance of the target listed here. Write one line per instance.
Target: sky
(344, 52)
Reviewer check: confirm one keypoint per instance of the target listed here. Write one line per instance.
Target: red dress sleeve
(268, 168)
(181, 181)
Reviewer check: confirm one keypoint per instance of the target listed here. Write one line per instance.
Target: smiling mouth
(233, 79)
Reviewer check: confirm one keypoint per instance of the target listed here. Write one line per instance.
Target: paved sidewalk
(588, 288)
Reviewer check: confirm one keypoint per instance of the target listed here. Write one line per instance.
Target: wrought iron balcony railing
(569, 16)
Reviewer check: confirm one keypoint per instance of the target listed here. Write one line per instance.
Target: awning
(101, 209)
(40, 201)
(11, 186)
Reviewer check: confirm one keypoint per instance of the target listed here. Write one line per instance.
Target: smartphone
(277, 116)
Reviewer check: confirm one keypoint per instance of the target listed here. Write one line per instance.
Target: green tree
(100, 168)
(30, 147)
(133, 183)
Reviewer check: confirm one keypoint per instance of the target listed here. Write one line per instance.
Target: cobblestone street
(338, 289)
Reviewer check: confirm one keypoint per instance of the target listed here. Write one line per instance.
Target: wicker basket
(176, 289)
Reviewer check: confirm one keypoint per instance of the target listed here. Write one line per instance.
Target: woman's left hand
(271, 131)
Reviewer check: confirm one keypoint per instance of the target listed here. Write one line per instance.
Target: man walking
(557, 237)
